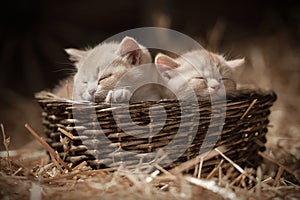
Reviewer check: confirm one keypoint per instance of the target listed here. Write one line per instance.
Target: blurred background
(33, 34)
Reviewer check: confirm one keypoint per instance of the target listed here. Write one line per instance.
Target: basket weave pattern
(95, 133)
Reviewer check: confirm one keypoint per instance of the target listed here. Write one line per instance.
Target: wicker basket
(82, 131)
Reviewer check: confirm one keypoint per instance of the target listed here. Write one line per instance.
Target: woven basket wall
(93, 135)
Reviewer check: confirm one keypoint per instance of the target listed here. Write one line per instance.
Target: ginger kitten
(206, 73)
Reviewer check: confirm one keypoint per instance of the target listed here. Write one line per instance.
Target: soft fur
(200, 71)
(101, 68)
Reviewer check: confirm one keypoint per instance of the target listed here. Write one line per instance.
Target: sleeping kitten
(204, 72)
(99, 69)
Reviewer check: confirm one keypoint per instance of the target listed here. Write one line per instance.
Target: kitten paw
(118, 95)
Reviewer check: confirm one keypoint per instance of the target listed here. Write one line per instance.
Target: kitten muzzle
(100, 96)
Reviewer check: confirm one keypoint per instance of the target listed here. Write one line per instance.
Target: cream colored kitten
(101, 68)
(206, 73)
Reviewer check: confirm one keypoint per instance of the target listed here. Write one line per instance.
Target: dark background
(34, 33)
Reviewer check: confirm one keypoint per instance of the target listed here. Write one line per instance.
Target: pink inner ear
(128, 45)
(163, 68)
(166, 62)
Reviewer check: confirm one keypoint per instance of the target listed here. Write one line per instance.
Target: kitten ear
(235, 65)
(165, 64)
(130, 48)
(75, 54)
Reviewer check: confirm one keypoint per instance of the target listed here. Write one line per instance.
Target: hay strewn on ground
(29, 174)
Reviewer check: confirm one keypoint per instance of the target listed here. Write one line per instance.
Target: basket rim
(48, 96)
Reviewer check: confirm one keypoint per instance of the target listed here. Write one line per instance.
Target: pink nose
(92, 92)
(215, 87)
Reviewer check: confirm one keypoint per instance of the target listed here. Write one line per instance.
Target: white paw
(118, 95)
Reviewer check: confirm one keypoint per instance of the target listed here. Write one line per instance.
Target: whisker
(65, 70)
(65, 63)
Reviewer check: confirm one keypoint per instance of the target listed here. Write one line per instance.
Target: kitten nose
(215, 87)
(92, 92)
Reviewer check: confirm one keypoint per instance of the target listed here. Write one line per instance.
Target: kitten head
(100, 68)
(204, 72)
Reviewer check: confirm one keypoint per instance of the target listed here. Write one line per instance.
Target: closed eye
(104, 77)
(200, 77)
(227, 79)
